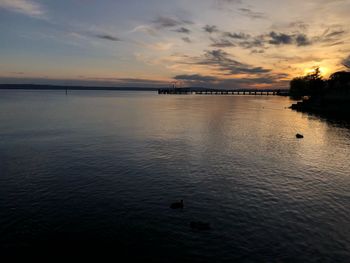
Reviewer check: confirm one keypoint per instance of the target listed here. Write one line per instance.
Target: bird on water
(299, 136)
(177, 205)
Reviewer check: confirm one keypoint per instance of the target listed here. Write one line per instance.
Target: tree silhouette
(339, 81)
(324, 96)
(310, 85)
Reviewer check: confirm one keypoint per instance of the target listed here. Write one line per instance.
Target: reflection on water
(99, 170)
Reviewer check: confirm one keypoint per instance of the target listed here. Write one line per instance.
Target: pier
(261, 92)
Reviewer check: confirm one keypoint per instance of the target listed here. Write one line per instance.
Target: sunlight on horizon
(324, 71)
(217, 43)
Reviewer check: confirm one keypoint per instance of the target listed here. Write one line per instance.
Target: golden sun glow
(323, 70)
(226, 44)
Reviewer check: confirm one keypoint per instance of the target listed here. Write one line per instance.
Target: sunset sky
(150, 43)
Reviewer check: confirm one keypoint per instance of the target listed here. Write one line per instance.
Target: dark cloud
(273, 81)
(333, 44)
(260, 42)
(285, 57)
(139, 81)
(223, 61)
(302, 40)
(256, 42)
(331, 37)
(245, 40)
(108, 37)
(299, 25)
(166, 22)
(346, 62)
(252, 14)
(221, 43)
(187, 39)
(195, 77)
(210, 29)
(239, 35)
(280, 38)
(298, 39)
(333, 34)
(258, 51)
(182, 30)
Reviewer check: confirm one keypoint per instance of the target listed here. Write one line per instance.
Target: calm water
(96, 171)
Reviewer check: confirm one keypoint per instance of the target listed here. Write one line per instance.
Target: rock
(299, 136)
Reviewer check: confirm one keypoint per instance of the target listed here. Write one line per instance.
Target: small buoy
(198, 225)
(299, 136)
(177, 205)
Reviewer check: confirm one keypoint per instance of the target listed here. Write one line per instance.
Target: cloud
(26, 7)
(254, 42)
(158, 46)
(280, 38)
(187, 39)
(252, 14)
(277, 38)
(145, 29)
(132, 82)
(225, 4)
(168, 22)
(302, 58)
(334, 34)
(262, 41)
(331, 36)
(346, 62)
(299, 25)
(223, 62)
(243, 40)
(108, 37)
(302, 40)
(257, 51)
(195, 77)
(333, 44)
(239, 35)
(268, 81)
(210, 29)
(183, 30)
(221, 43)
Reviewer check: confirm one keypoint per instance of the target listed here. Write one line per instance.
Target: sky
(153, 43)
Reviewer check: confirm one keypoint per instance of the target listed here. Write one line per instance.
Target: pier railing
(266, 92)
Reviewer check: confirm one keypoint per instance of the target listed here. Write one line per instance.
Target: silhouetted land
(165, 90)
(57, 87)
(327, 97)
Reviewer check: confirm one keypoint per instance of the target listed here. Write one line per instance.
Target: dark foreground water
(95, 172)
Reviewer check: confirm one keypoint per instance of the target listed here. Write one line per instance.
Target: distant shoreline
(104, 88)
(59, 87)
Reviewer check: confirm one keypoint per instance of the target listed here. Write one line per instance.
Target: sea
(96, 172)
